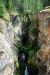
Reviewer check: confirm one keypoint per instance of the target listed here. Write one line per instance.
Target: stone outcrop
(6, 57)
(8, 54)
(43, 55)
(7, 30)
(6, 50)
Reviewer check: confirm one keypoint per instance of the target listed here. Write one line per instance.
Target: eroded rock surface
(7, 48)
(43, 55)
(6, 57)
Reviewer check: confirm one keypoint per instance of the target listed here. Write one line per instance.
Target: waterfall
(26, 71)
(17, 26)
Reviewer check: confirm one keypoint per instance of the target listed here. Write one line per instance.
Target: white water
(26, 72)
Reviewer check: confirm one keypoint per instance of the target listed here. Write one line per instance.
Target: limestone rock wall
(7, 30)
(43, 55)
(6, 57)
(7, 48)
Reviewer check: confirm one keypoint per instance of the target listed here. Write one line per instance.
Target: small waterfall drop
(26, 71)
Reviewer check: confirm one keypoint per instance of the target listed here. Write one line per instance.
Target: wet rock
(48, 73)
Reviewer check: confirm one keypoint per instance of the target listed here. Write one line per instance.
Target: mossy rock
(6, 16)
(32, 62)
(14, 13)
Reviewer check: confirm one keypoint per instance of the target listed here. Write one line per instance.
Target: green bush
(2, 8)
(3, 12)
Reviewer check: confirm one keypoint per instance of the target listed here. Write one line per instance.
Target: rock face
(7, 30)
(43, 55)
(10, 32)
(6, 48)
(6, 57)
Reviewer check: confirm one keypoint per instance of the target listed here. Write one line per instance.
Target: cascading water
(26, 70)
(17, 26)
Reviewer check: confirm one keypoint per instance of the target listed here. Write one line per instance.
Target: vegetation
(46, 3)
(12, 6)
(32, 7)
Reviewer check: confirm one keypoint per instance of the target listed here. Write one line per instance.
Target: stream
(26, 71)
(24, 68)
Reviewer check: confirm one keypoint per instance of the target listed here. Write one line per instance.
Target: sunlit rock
(6, 57)
(8, 53)
(43, 55)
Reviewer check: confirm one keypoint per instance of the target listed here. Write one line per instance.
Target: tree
(46, 3)
(2, 8)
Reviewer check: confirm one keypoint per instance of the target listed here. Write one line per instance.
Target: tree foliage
(33, 6)
(46, 3)
(2, 8)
